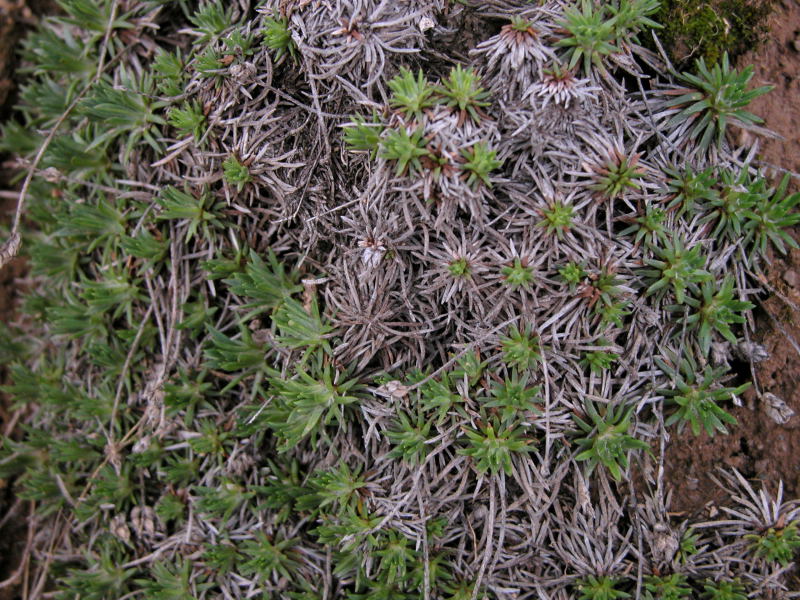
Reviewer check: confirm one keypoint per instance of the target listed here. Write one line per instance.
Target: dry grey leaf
(394, 390)
(752, 351)
(666, 543)
(425, 24)
(776, 408)
(119, 528)
(10, 249)
(143, 521)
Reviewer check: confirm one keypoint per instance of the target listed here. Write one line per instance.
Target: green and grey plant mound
(372, 299)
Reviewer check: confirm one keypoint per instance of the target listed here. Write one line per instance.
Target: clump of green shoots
(188, 119)
(521, 347)
(667, 587)
(590, 36)
(411, 95)
(557, 218)
(715, 311)
(493, 444)
(606, 440)
(697, 393)
(406, 149)
(777, 544)
(713, 99)
(619, 173)
(602, 587)
(278, 37)
(676, 267)
(518, 273)
(599, 361)
(236, 173)
(463, 92)
(480, 160)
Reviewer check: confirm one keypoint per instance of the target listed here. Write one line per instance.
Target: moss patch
(700, 29)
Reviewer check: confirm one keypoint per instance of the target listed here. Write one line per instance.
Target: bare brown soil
(758, 446)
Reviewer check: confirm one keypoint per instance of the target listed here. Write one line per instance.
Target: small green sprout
(411, 95)
(170, 508)
(769, 216)
(209, 63)
(514, 397)
(777, 544)
(170, 580)
(361, 135)
(557, 218)
(459, 268)
(56, 51)
(469, 367)
(716, 310)
(211, 440)
(589, 36)
(306, 402)
(631, 17)
(600, 588)
(408, 438)
(267, 557)
(220, 501)
(105, 578)
(520, 25)
(396, 557)
(713, 99)
(188, 119)
(572, 273)
(492, 445)
(77, 156)
(438, 395)
(696, 394)
(724, 590)
(124, 112)
(220, 557)
(677, 268)
(238, 44)
(522, 349)
(278, 37)
(406, 149)
(518, 273)
(690, 190)
(599, 361)
(607, 441)
(463, 92)
(604, 287)
(266, 283)
(236, 173)
(336, 488)
(169, 68)
(114, 291)
(666, 587)
(301, 327)
(210, 19)
(649, 227)
(200, 213)
(740, 192)
(687, 546)
(145, 246)
(619, 173)
(233, 353)
(480, 161)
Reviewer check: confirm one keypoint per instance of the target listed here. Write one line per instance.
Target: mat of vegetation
(384, 299)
